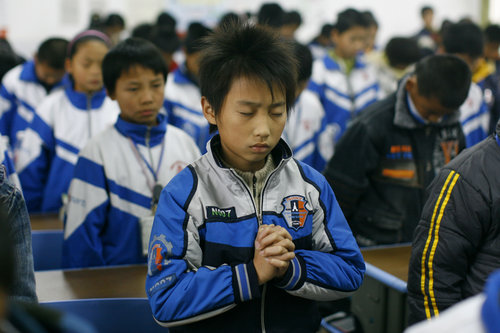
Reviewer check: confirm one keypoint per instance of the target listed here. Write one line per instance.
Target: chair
(47, 249)
(112, 314)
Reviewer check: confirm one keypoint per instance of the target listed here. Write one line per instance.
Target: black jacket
(457, 241)
(383, 164)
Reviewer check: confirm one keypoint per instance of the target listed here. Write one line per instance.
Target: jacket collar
(404, 118)
(28, 74)
(137, 132)
(182, 76)
(332, 64)
(80, 100)
(281, 153)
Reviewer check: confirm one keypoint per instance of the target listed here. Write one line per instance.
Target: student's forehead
(90, 45)
(240, 83)
(137, 71)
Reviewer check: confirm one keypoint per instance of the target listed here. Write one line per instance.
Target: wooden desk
(45, 222)
(393, 260)
(106, 282)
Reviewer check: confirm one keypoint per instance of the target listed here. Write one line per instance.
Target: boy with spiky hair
(246, 238)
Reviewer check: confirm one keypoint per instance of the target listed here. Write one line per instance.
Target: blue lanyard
(139, 156)
(498, 140)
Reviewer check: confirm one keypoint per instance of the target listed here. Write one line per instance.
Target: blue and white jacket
(62, 125)
(21, 93)
(303, 127)
(475, 116)
(200, 269)
(6, 160)
(110, 190)
(343, 96)
(183, 105)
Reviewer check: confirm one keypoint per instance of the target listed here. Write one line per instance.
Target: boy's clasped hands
(274, 249)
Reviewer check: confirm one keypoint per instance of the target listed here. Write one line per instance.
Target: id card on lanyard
(154, 186)
(146, 222)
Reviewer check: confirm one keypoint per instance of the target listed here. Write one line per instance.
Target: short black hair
(446, 77)
(8, 58)
(425, 9)
(492, 33)
(271, 15)
(229, 18)
(370, 18)
(166, 21)
(292, 17)
(114, 20)
(127, 54)
(326, 30)
(165, 39)
(246, 51)
(350, 18)
(465, 38)
(402, 51)
(52, 51)
(7, 261)
(95, 21)
(193, 40)
(304, 61)
(143, 30)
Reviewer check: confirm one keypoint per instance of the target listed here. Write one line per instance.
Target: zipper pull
(148, 136)
(254, 187)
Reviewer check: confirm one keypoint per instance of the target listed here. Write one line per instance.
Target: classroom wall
(27, 22)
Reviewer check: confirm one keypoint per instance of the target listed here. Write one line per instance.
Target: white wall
(30, 21)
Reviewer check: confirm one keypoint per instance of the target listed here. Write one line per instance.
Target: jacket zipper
(258, 209)
(89, 109)
(148, 140)
(262, 304)
(264, 289)
(350, 91)
(259, 220)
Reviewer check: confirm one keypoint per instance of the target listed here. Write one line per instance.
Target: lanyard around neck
(142, 161)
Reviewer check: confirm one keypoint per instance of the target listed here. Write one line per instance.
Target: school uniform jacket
(302, 129)
(183, 104)
(62, 125)
(21, 93)
(6, 161)
(343, 96)
(456, 243)
(475, 116)
(200, 269)
(111, 190)
(383, 165)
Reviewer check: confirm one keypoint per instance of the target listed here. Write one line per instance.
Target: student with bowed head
(246, 238)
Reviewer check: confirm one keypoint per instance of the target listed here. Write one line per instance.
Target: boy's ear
(411, 83)
(208, 111)
(334, 35)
